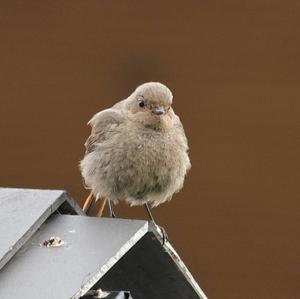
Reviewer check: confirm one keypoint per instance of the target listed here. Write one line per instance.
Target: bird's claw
(113, 215)
(164, 235)
(111, 210)
(163, 232)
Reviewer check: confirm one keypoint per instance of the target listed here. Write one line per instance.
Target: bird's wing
(104, 125)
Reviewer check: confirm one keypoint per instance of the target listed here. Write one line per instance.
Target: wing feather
(104, 125)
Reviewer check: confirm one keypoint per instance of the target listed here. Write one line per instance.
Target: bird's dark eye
(141, 103)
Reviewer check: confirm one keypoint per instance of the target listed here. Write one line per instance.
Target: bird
(137, 151)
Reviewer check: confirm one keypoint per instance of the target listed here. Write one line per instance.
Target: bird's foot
(113, 215)
(164, 235)
(163, 232)
(111, 210)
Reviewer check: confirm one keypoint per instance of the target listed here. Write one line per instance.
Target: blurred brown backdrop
(234, 69)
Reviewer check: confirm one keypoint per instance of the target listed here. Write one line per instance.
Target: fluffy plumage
(137, 150)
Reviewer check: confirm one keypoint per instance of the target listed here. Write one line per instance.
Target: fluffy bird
(137, 150)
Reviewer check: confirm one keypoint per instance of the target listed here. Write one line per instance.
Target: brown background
(234, 69)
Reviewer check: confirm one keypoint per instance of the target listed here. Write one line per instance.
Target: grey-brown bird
(137, 150)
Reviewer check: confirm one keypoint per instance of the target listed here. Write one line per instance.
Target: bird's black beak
(158, 110)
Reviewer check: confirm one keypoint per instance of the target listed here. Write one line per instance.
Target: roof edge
(86, 286)
(154, 228)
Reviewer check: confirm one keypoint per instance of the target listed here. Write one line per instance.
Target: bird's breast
(146, 161)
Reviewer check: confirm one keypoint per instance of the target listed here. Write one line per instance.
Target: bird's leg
(100, 212)
(88, 202)
(162, 230)
(149, 212)
(111, 210)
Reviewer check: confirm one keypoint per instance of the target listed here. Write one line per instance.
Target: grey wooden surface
(114, 254)
(92, 246)
(149, 271)
(22, 212)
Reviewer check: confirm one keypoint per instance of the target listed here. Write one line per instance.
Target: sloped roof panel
(22, 212)
(113, 254)
(91, 247)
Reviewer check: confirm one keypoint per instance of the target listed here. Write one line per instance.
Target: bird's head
(150, 103)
